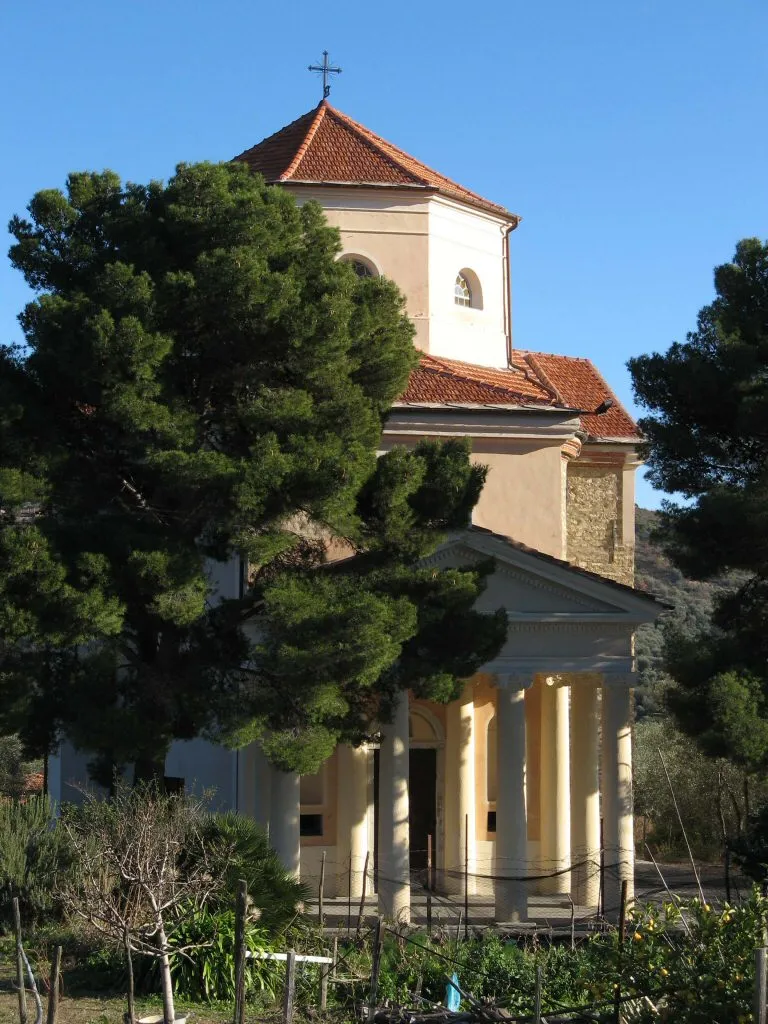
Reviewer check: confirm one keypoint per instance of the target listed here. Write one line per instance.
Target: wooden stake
(761, 977)
(429, 885)
(53, 992)
(375, 967)
(466, 877)
(601, 897)
(537, 997)
(349, 897)
(335, 954)
(241, 910)
(290, 986)
(622, 938)
(325, 970)
(19, 962)
(361, 913)
(623, 913)
(320, 905)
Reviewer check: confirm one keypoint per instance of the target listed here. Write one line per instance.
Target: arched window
(362, 267)
(467, 290)
(462, 293)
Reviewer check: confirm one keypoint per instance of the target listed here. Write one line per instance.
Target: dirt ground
(93, 1010)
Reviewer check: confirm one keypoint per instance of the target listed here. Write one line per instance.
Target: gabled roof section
(574, 571)
(325, 146)
(533, 380)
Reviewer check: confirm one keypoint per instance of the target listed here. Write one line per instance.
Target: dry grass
(107, 1010)
(103, 1008)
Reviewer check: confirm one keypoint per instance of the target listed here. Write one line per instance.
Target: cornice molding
(515, 423)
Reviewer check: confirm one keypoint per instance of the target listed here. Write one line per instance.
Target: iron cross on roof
(325, 69)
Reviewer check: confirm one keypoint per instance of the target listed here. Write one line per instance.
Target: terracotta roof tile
(535, 379)
(449, 380)
(325, 145)
(579, 384)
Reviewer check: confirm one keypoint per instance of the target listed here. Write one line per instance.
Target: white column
(460, 792)
(511, 818)
(394, 866)
(585, 792)
(262, 788)
(352, 785)
(285, 812)
(618, 824)
(555, 787)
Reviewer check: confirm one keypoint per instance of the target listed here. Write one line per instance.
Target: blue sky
(631, 137)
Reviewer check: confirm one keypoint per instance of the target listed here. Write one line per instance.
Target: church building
(513, 780)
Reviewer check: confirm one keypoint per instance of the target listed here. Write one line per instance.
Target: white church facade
(514, 779)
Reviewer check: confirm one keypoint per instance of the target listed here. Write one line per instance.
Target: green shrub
(275, 892)
(207, 972)
(750, 849)
(31, 855)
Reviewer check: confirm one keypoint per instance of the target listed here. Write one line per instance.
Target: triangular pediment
(532, 586)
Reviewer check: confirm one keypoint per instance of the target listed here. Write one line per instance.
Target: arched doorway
(425, 744)
(425, 775)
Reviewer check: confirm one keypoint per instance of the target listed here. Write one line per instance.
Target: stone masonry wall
(594, 526)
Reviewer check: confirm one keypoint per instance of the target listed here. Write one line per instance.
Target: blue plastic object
(452, 994)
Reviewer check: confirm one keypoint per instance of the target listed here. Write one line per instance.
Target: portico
(533, 753)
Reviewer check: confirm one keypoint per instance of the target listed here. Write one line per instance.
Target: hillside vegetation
(691, 602)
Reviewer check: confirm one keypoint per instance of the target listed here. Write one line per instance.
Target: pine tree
(203, 379)
(708, 440)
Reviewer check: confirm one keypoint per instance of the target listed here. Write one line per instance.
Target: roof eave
(552, 410)
(486, 206)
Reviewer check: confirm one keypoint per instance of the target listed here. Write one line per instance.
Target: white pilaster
(352, 775)
(555, 787)
(618, 824)
(460, 792)
(511, 819)
(585, 792)
(394, 869)
(284, 820)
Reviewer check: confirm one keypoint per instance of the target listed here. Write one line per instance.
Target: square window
(311, 825)
(491, 821)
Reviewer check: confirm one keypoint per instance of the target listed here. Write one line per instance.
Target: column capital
(514, 680)
(619, 680)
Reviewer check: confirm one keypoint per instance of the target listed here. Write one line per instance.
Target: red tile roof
(579, 385)
(535, 380)
(449, 380)
(326, 146)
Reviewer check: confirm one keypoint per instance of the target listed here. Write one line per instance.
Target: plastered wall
(464, 239)
(523, 496)
(390, 230)
(422, 243)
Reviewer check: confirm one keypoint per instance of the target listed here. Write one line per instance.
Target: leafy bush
(705, 788)
(31, 855)
(207, 972)
(271, 889)
(751, 848)
(490, 967)
(695, 963)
